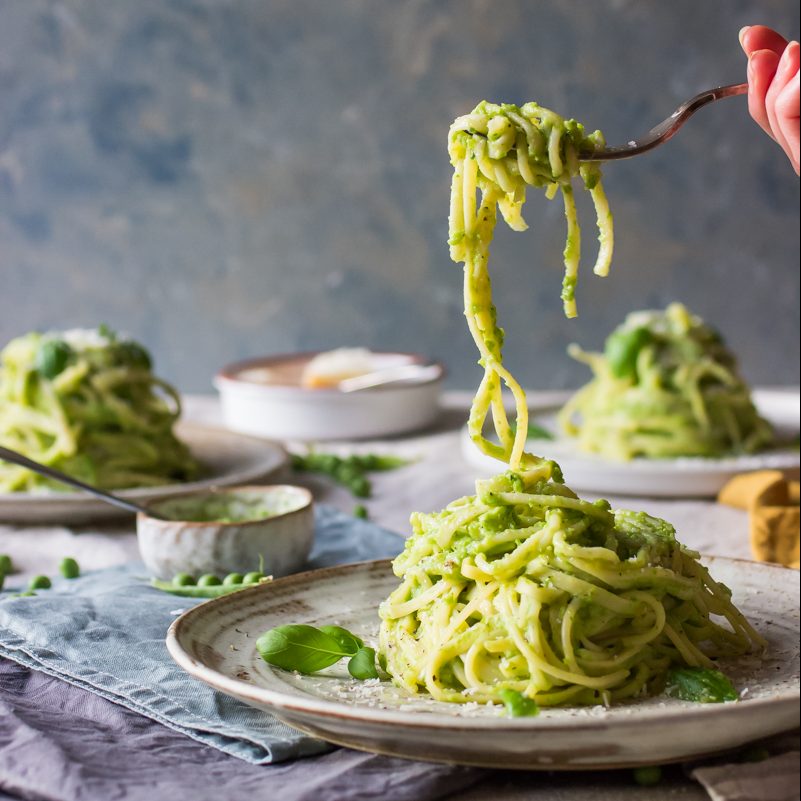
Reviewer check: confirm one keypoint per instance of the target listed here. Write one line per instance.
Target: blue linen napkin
(105, 632)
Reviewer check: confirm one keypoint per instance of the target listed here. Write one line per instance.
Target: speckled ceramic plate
(215, 642)
(660, 478)
(229, 459)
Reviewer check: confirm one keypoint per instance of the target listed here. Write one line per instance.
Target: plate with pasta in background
(666, 414)
(87, 402)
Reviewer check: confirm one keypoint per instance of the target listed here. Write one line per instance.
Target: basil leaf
(621, 350)
(132, 354)
(349, 643)
(517, 705)
(362, 664)
(302, 648)
(701, 685)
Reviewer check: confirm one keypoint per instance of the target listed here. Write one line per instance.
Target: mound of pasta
(526, 587)
(665, 386)
(88, 404)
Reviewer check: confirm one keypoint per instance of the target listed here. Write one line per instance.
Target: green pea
(348, 472)
(2, 580)
(52, 358)
(755, 754)
(360, 511)
(183, 580)
(233, 578)
(69, 568)
(40, 583)
(360, 487)
(26, 594)
(648, 776)
(253, 578)
(208, 580)
(6, 565)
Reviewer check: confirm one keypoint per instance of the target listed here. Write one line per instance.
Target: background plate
(215, 642)
(659, 478)
(228, 458)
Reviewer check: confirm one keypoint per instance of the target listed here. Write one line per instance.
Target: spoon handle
(43, 470)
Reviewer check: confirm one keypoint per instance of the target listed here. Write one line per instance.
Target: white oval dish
(277, 544)
(264, 397)
(229, 459)
(689, 477)
(215, 642)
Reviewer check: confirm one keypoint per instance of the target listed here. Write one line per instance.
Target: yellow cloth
(771, 500)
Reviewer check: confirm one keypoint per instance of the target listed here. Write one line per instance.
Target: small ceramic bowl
(280, 532)
(265, 397)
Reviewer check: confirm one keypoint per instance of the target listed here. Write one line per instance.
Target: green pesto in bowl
(230, 507)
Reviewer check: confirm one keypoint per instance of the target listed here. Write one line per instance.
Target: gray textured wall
(224, 179)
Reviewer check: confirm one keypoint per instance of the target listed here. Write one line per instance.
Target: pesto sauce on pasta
(499, 151)
(665, 386)
(524, 586)
(88, 404)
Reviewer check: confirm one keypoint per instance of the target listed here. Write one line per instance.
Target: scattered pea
(26, 594)
(360, 511)
(648, 776)
(253, 578)
(360, 487)
(208, 580)
(40, 583)
(349, 471)
(755, 754)
(183, 580)
(69, 568)
(6, 565)
(232, 579)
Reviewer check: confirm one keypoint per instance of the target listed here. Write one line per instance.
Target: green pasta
(524, 594)
(526, 587)
(499, 151)
(87, 403)
(665, 386)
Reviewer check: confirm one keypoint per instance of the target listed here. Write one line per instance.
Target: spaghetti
(665, 386)
(89, 405)
(499, 151)
(524, 587)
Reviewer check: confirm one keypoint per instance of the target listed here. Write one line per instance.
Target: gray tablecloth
(61, 742)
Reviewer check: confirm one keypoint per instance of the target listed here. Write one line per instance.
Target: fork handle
(7, 455)
(668, 128)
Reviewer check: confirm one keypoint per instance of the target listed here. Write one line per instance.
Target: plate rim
(78, 499)
(338, 710)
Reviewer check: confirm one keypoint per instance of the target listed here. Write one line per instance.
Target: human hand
(773, 88)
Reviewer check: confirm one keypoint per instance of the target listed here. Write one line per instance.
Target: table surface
(438, 475)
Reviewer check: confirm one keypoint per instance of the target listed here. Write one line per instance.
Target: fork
(667, 128)
(7, 455)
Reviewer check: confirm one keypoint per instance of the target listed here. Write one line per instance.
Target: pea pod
(349, 471)
(202, 591)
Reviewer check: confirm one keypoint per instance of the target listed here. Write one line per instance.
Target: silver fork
(667, 128)
(7, 455)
